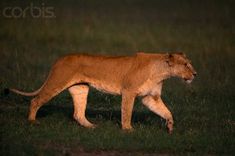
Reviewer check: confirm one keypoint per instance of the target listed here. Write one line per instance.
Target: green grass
(204, 111)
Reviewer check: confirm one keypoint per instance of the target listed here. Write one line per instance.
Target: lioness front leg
(79, 94)
(156, 105)
(127, 107)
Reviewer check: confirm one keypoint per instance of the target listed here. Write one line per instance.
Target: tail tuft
(6, 91)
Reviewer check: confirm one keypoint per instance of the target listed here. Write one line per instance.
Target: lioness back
(102, 72)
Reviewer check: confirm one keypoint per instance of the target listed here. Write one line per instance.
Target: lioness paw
(170, 126)
(91, 126)
(128, 129)
(34, 122)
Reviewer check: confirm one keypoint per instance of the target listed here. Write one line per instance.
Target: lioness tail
(24, 93)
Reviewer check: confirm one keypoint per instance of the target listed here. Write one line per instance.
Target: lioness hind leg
(42, 98)
(36, 103)
(157, 106)
(58, 80)
(34, 106)
(79, 94)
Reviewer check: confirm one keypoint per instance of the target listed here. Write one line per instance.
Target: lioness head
(181, 67)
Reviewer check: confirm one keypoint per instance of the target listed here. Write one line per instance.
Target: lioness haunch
(129, 76)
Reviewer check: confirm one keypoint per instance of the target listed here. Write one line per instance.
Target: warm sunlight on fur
(129, 76)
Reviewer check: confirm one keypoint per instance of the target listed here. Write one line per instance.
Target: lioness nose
(194, 74)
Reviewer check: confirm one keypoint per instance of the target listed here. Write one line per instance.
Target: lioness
(129, 76)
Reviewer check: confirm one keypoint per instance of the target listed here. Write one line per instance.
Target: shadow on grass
(105, 113)
(143, 117)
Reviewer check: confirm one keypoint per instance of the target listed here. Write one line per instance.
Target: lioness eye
(185, 64)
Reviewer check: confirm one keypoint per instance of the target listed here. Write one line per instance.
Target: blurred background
(34, 33)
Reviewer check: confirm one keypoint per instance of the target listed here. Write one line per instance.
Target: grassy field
(204, 111)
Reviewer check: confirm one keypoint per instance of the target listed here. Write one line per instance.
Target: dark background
(204, 111)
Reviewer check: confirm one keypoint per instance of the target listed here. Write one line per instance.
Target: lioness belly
(105, 87)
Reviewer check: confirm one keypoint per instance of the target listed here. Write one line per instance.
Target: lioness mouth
(188, 80)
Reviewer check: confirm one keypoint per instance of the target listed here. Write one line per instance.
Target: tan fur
(129, 76)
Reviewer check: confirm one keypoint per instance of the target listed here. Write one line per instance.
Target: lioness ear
(182, 54)
(169, 59)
